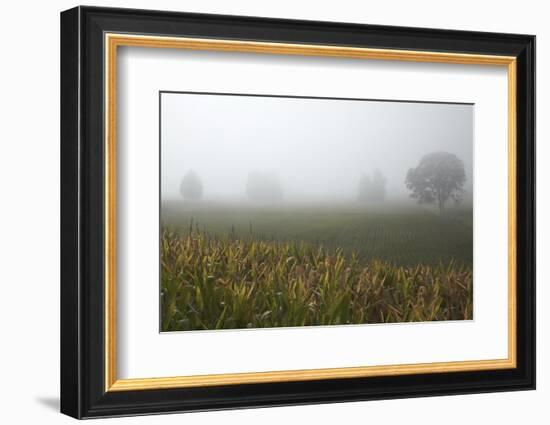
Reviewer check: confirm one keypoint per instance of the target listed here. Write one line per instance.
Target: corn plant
(230, 281)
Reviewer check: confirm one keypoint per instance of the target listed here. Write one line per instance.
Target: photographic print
(321, 198)
(300, 211)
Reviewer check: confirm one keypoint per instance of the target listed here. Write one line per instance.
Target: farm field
(227, 267)
(400, 235)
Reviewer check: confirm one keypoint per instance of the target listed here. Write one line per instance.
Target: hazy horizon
(317, 149)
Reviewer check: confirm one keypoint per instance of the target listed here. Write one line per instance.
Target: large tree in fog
(372, 189)
(263, 187)
(191, 186)
(438, 177)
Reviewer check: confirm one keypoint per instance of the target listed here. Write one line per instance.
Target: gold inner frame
(113, 41)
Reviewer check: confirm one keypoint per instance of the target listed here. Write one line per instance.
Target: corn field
(234, 282)
(401, 235)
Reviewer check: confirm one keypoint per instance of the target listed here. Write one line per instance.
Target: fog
(316, 148)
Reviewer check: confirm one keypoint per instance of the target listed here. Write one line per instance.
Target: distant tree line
(438, 178)
(372, 189)
(260, 187)
(263, 187)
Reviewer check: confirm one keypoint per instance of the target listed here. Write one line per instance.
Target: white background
(29, 229)
(143, 72)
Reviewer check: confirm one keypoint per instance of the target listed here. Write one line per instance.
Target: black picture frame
(83, 392)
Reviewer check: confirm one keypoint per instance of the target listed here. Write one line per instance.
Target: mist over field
(280, 212)
(316, 149)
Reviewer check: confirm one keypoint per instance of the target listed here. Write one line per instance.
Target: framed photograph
(261, 212)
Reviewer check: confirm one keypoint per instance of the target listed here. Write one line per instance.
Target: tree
(372, 190)
(263, 187)
(191, 186)
(438, 177)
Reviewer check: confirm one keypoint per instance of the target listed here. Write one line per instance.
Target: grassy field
(401, 234)
(226, 267)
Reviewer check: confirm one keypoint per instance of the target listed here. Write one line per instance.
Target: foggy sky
(317, 148)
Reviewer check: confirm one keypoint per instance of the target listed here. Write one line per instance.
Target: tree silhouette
(263, 187)
(191, 186)
(372, 189)
(438, 177)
